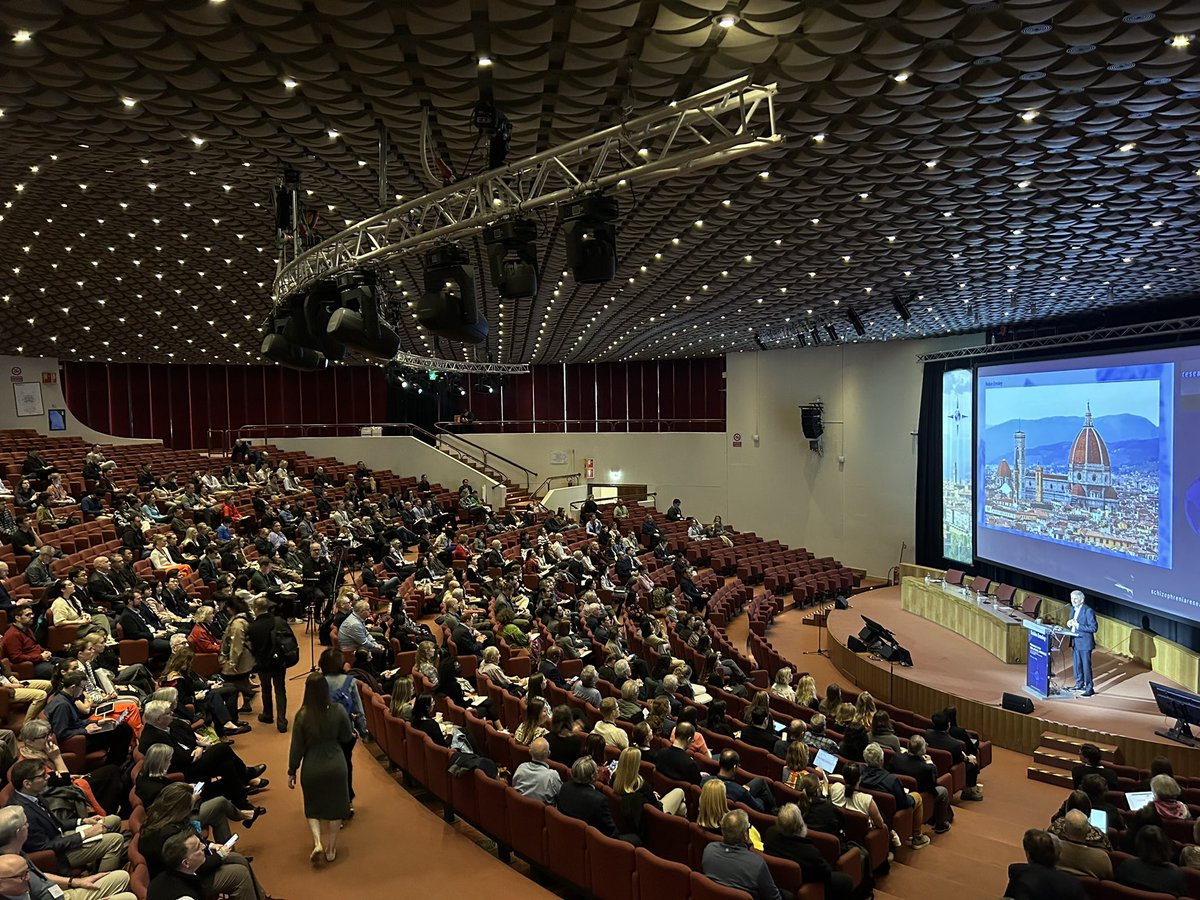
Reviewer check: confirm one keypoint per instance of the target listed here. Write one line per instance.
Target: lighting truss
(1098, 335)
(707, 129)
(430, 363)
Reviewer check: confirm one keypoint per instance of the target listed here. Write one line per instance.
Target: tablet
(1099, 819)
(825, 761)
(1138, 799)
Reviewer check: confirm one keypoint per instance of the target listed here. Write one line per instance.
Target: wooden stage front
(948, 668)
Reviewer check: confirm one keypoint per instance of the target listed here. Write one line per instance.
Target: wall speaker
(810, 421)
(1017, 703)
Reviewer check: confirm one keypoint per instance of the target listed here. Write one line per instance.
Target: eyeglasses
(19, 876)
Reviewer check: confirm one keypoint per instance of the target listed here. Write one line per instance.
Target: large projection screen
(1088, 474)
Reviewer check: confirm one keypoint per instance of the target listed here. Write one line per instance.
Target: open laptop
(1138, 799)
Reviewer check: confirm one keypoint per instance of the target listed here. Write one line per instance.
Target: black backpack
(285, 649)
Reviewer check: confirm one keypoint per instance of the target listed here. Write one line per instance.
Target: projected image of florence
(1077, 464)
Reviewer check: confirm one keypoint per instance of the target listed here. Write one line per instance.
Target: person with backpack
(343, 691)
(275, 650)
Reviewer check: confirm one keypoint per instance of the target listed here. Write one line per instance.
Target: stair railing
(447, 440)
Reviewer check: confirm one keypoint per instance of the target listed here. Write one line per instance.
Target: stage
(949, 668)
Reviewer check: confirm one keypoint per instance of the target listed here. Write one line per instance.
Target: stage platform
(949, 668)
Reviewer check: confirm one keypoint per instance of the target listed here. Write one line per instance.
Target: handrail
(537, 493)
(594, 425)
(611, 501)
(444, 432)
(264, 432)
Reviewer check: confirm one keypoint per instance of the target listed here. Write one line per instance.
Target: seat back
(611, 865)
(527, 826)
(490, 794)
(706, 889)
(659, 878)
(566, 847)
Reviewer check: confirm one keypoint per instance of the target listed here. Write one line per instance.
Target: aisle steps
(1056, 754)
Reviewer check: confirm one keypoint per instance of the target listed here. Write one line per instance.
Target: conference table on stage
(956, 608)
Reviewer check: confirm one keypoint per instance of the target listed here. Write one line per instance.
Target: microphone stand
(310, 621)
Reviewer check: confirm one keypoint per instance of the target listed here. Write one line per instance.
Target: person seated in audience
(565, 736)
(854, 742)
(1095, 787)
(815, 735)
(1166, 805)
(882, 732)
(1078, 800)
(1189, 857)
(782, 687)
(400, 703)
(137, 623)
(806, 692)
(628, 707)
(215, 813)
(1152, 869)
(607, 727)
(788, 839)
(1037, 878)
(199, 760)
(690, 715)
(833, 699)
(579, 798)
(876, 778)
(491, 668)
(733, 863)
(104, 852)
(635, 793)
(843, 716)
(918, 765)
(1090, 764)
(659, 718)
(201, 638)
(216, 703)
(759, 730)
(20, 878)
(19, 646)
(1075, 856)
(940, 738)
(536, 723)
(37, 573)
(423, 720)
(596, 747)
(676, 762)
(716, 721)
(844, 794)
(222, 872)
(26, 540)
(795, 764)
(756, 793)
(585, 688)
(549, 667)
(535, 778)
(67, 712)
(356, 641)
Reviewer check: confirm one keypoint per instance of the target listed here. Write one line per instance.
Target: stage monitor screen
(1088, 474)
(957, 501)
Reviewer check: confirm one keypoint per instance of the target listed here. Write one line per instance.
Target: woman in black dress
(320, 729)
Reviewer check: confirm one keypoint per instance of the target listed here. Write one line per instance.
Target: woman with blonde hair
(864, 710)
(659, 718)
(795, 766)
(401, 703)
(782, 687)
(713, 805)
(634, 793)
(843, 715)
(806, 691)
(833, 699)
(760, 703)
(201, 638)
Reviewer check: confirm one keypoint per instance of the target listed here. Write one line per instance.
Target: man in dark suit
(210, 566)
(135, 625)
(675, 762)
(915, 764)
(755, 793)
(105, 850)
(579, 798)
(876, 778)
(1038, 879)
(759, 731)
(1083, 623)
(549, 667)
(939, 738)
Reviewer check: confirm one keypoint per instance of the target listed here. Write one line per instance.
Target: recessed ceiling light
(333, 134)
(22, 37)
(198, 141)
(1126, 148)
(901, 77)
(129, 102)
(290, 83)
(1180, 41)
(484, 62)
(818, 137)
(725, 20)
(1029, 115)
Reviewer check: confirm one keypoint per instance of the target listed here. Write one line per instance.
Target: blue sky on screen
(1108, 398)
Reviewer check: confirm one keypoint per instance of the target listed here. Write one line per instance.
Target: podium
(1042, 640)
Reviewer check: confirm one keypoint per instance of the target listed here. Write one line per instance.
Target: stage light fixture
(832, 332)
(589, 229)
(357, 324)
(491, 120)
(286, 192)
(815, 335)
(286, 341)
(512, 256)
(447, 306)
(323, 300)
(901, 307)
(856, 321)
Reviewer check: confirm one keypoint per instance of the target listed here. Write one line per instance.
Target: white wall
(30, 370)
(402, 455)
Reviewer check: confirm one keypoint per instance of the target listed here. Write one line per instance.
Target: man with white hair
(1074, 854)
(535, 778)
(876, 778)
(1083, 623)
(788, 839)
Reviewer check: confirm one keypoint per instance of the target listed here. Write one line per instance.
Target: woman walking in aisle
(320, 729)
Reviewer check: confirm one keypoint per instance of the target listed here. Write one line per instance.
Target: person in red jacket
(201, 639)
(19, 646)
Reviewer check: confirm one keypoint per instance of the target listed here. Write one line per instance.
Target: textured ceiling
(991, 162)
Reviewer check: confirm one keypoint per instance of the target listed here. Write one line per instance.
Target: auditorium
(610, 449)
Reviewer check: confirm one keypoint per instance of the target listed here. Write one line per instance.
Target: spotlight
(447, 307)
(512, 255)
(286, 192)
(357, 323)
(832, 332)
(901, 307)
(815, 335)
(287, 339)
(324, 299)
(758, 343)
(855, 321)
(591, 237)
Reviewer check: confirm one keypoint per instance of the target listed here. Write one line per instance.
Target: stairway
(517, 496)
(1057, 754)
